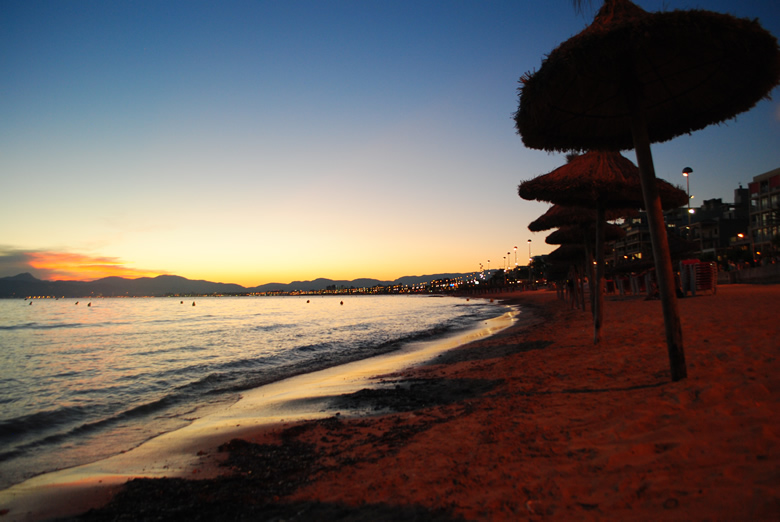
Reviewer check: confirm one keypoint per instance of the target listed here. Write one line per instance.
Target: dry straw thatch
(693, 68)
(633, 78)
(577, 235)
(598, 178)
(564, 215)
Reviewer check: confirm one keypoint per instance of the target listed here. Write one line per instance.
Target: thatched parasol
(600, 180)
(584, 219)
(632, 78)
(570, 256)
(688, 69)
(563, 215)
(565, 254)
(573, 235)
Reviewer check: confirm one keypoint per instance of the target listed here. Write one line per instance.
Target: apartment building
(764, 213)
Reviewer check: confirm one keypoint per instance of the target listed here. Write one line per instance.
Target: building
(765, 213)
(718, 226)
(636, 243)
(708, 232)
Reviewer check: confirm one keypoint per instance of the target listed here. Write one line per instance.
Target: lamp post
(687, 171)
(515, 257)
(529, 260)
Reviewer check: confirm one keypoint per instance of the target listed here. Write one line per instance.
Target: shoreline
(300, 397)
(528, 423)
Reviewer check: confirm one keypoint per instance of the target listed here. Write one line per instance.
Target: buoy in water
(342, 302)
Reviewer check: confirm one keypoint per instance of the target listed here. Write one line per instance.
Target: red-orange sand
(599, 432)
(577, 431)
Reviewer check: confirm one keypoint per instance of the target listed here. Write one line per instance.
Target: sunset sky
(271, 141)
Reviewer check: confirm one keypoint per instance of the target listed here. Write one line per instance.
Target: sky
(273, 141)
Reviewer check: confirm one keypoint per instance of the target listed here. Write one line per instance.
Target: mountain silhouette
(27, 285)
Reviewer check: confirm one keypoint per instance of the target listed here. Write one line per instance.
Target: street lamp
(529, 260)
(515, 257)
(687, 171)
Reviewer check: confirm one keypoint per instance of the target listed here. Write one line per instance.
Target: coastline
(527, 423)
(175, 454)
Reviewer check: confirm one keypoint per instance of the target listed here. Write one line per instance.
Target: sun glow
(65, 266)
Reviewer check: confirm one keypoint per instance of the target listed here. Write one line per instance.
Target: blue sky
(252, 142)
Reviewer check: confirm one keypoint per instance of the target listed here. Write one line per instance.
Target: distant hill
(24, 285)
(323, 284)
(318, 284)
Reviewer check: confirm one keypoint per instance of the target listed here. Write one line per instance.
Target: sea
(84, 379)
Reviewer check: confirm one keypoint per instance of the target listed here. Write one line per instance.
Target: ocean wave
(42, 326)
(275, 327)
(51, 420)
(175, 348)
(42, 421)
(154, 370)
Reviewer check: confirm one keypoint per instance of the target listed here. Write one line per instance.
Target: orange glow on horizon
(65, 266)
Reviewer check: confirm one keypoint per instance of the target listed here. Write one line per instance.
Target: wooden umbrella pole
(661, 253)
(598, 315)
(588, 270)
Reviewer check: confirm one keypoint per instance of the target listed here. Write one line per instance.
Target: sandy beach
(534, 422)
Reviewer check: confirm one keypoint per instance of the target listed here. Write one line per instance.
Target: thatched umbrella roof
(598, 177)
(563, 215)
(632, 78)
(600, 180)
(576, 235)
(693, 68)
(566, 254)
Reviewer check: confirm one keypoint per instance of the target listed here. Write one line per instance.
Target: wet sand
(179, 453)
(533, 422)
